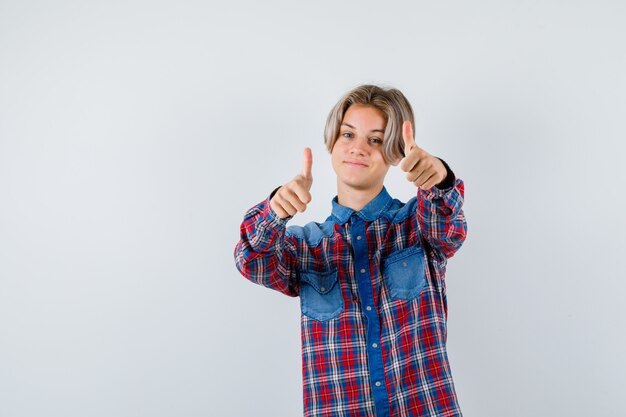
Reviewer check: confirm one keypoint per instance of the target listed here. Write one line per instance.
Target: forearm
(440, 215)
(263, 254)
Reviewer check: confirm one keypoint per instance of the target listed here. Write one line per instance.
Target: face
(357, 155)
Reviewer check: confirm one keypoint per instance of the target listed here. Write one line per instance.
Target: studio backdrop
(135, 135)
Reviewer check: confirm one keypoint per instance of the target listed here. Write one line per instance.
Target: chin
(359, 185)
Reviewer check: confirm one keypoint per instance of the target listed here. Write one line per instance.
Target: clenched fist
(423, 169)
(294, 196)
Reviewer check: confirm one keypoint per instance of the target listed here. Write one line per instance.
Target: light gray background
(135, 135)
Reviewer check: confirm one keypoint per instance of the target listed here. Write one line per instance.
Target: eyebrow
(352, 127)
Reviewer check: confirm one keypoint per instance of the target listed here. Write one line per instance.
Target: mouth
(355, 164)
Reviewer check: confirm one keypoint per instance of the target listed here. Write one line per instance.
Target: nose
(359, 146)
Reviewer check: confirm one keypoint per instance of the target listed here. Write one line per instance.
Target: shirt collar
(370, 212)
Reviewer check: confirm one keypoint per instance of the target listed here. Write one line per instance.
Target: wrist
(448, 180)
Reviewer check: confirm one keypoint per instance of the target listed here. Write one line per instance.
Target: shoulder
(313, 232)
(398, 211)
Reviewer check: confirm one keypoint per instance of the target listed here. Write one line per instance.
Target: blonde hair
(394, 107)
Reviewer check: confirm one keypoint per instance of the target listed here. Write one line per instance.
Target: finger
(423, 179)
(431, 182)
(425, 173)
(286, 205)
(277, 208)
(413, 160)
(407, 135)
(421, 166)
(302, 192)
(292, 198)
(280, 212)
(307, 163)
(414, 174)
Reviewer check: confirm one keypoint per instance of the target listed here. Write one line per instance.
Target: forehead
(363, 117)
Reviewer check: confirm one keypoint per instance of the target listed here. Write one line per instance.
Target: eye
(347, 135)
(377, 140)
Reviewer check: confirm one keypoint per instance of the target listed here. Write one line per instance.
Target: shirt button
(374, 345)
(323, 289)
(358, 238)
(404, 264)
(378, 383)
(362, 270)
(368, 308)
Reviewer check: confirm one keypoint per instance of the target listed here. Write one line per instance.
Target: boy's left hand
(423, 169)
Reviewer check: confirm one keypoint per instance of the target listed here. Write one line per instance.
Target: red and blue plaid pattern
(372, 291)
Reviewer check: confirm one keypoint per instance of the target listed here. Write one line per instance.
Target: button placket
(372, 320)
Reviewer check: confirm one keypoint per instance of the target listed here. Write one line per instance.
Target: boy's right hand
(294, 196)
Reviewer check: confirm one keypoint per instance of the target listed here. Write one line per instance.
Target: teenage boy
(371, 277)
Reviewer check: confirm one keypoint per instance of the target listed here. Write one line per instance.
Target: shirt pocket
(404, 273)
(320, 295)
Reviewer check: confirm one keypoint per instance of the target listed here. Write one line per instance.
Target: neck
(355, 198)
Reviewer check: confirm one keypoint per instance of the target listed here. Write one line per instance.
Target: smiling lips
(356, 164)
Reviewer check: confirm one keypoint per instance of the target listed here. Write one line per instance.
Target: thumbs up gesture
(294, 196)
(423, 169)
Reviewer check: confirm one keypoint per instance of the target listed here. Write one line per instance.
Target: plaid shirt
(372, 296)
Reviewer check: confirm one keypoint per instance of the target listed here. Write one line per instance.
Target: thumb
(407, 135)
(307, 163)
